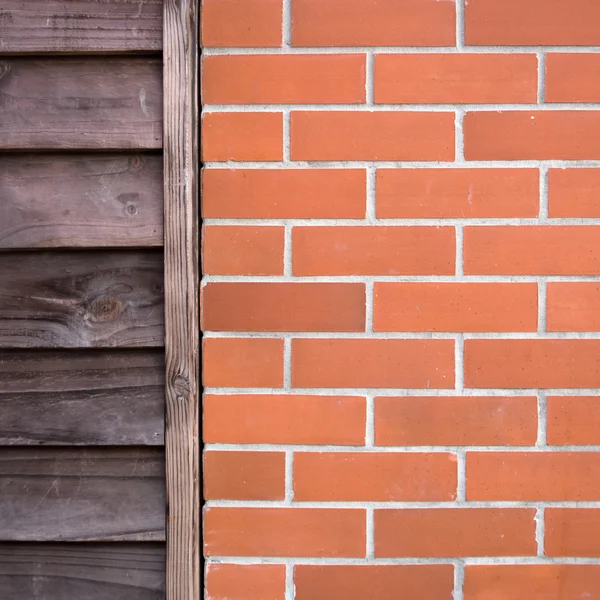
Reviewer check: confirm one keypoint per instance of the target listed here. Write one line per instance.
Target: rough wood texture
(124, 571)
(80, 25)
(81, 299)
(85, 398)
(59, 494)
(80, 103)
(180, 78)
(81, 201)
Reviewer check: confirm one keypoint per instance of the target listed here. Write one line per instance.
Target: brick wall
(401, 299)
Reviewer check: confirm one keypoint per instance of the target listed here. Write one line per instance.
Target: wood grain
(81, 299)
(80, 25)
(81, 201)
(124, 571)
(180, 80)
(80, 103)
(59, 494)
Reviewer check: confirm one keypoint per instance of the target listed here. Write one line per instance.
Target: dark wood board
(70, 200)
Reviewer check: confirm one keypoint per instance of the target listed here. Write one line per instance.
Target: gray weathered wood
(60, 494)
(80, 201)
(80, 103)
(80, 25)
(124, 571)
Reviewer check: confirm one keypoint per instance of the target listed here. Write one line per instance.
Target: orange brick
(347, 135)
(455, 78)
(532, 363)
(532, 135)
(245, 582)
(373, 23)
(242, 362)
(318, 532)
(284, 79)
(455, 307)
(373, 250)
(284, 194)
(373, 363)
(452, 421)
(573, 306)
(403, 476)
(457, 193)
(532, 23)
(242, 136)
(381, 582)
(572, 77)
(531, 250)
(449, 532)
(233, 250)
(284, 307)
(572, 532)
(244, 475)
(284, 419)
(239, 23)
(533, 476)
(573, 420)
(574, 193)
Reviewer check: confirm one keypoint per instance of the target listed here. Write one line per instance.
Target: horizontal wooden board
(81, 103)
(81, 201)
(81, 26)
(124, 571)
(82, 398)
(61, 494)
(81, 299)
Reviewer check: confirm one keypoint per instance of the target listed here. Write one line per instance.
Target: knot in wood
(181, 384)
(135, 163)
(105, 309)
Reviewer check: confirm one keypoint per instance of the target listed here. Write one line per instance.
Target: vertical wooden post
(180, 73)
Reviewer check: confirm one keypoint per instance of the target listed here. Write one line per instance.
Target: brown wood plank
(80, 103)
(81, 299)
(80, 201)
(180, 80)
(60, 494)
(80, 25)
(85, 398)
(123, 571)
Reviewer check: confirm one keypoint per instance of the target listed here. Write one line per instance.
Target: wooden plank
(80, 103)
(124, 571)
(80, 26)
(59, 494)
(81, 299)
(81, 201)
(89, 398)
(180, 80)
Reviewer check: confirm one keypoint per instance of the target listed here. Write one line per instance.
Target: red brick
(234, 250)
(532, 135)
(373, 23)
(284, 419)
(242, 136)
(284, 194)
(574, 193)
(573, 420)
(533, 476)
(455, 307)
(284, 307)
(239, 23)
(245, 582)
(455, 78)
(572, 77)
(403, 476)
(378, 582)
(573, 306)
(457, 193)
(244, 475)
(384, 135)
(284, 79)
(318, 532)
(368, 363)
(373, 250)
(532, 250)
(532, 363)
(450, 532)
(242, 362)
(452, 421)
(572, 532)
